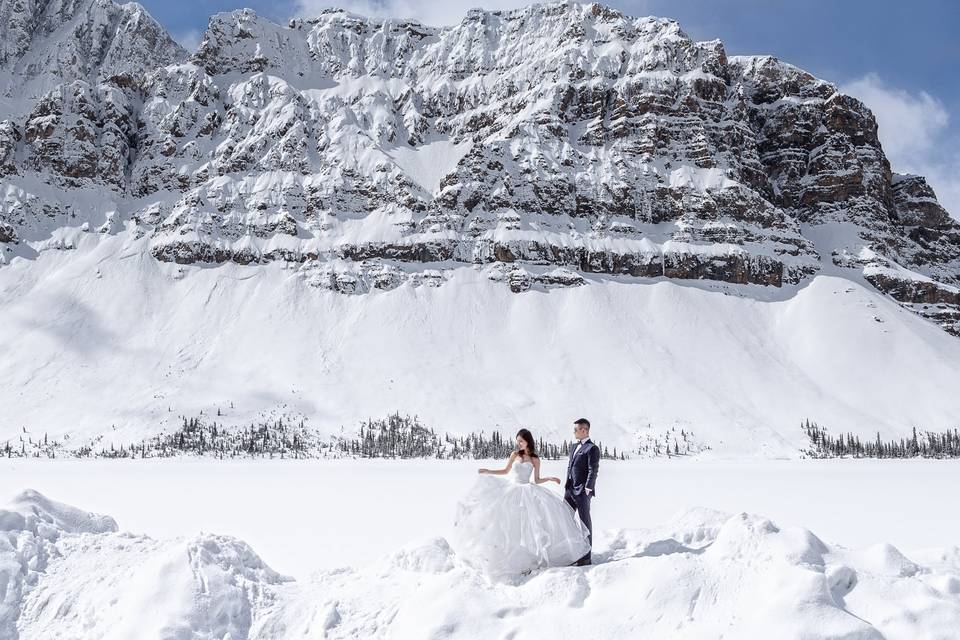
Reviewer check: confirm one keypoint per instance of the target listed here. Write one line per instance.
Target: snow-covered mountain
(45, 43)
(530, 215)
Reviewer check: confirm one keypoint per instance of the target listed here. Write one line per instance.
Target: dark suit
(582, 475)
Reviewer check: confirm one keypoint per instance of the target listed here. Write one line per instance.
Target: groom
(582, 478)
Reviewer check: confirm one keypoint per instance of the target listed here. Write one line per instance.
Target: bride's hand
(481, 471)
(557, 480)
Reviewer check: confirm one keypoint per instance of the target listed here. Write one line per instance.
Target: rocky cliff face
(539, 145)
(44, 43)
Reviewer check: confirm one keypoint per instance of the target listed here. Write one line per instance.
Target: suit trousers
(581, 504)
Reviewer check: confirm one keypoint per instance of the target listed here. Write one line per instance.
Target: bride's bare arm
(536, 474)
(500, 472)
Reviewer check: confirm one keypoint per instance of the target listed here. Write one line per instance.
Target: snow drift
(68, 573)
(705, 574)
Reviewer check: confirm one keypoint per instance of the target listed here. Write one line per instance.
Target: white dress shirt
(580, 446)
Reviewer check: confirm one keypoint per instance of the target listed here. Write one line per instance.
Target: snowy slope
(705, 574)
(104, 335)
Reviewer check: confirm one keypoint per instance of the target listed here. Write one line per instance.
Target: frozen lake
(301, 516)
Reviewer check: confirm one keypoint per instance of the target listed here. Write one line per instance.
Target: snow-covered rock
(560, 134)
(44, 43)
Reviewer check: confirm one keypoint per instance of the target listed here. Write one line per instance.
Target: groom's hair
(583, 422)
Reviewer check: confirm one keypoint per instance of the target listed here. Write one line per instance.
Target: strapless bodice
(522, 471)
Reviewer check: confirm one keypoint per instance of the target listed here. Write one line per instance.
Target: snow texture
(704, 574)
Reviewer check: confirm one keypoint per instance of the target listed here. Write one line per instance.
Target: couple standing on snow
(516, 526)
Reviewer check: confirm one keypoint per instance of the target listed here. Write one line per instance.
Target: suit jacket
(582, 468)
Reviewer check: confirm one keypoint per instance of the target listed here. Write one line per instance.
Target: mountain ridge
(542, 150)
(47, 42)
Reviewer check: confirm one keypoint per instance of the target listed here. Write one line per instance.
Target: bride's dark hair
(528, 438)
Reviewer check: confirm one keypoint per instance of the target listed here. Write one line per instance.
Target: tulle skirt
(505, 527)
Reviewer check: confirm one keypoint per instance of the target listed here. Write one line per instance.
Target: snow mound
(68, 573)
(704, 574)
(433, 556)
(29, 529)
(886, 560)
(33, 512)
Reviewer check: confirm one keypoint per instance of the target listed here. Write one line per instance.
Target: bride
(510, 525)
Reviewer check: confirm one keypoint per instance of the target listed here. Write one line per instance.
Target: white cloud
(434, 13)
(944, 177)
(914, 129)
(189, 40)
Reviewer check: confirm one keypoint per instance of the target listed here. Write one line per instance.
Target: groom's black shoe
(584, 561)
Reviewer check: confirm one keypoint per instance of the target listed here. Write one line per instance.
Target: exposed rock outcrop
(562, 136)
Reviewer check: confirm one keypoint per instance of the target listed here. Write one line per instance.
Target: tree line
(399, 436)
(396, 436)
(671, 443)
(930, 444)
(405, 437)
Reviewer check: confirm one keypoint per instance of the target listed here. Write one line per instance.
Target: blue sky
(901, 58)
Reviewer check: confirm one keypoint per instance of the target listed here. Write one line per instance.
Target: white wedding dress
(509, 525)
